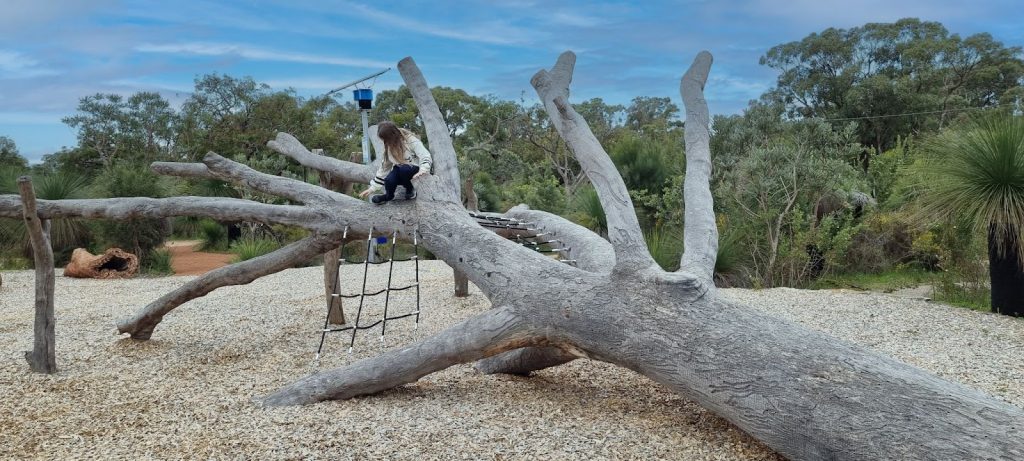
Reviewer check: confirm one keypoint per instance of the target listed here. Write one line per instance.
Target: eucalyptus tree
(882, 69)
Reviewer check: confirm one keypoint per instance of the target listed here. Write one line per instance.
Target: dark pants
(400, 175)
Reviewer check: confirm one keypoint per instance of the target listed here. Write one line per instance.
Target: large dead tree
(804, 393)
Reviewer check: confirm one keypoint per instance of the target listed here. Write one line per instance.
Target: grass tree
(977, 172)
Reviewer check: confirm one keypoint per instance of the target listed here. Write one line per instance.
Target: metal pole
(365, 116)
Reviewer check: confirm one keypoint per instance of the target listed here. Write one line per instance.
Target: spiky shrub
(588, 212)
(665, 246)
(248, 248)
(65, 234)
(214, 235)
(158, 262)
(976, 172)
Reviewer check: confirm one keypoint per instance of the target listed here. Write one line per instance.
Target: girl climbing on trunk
(405, 159)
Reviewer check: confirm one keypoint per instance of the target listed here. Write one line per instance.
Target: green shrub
(186, 227)
(157, 262)
(249, 248)
(588, 212)
(214, 235)
(666, 247)
(139, 236)
(728, 263)
(65, 234)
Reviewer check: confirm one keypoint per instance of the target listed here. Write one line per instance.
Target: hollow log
(114, 263)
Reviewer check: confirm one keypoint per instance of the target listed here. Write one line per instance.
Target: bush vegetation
(817, 183)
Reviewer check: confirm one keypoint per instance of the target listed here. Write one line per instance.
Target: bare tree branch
(184, 170)
(145, 207)
(623, 228)
(291, 189)
(700, 238)
(524, 361)
(142, 324)
(441, 148)
(486, 334)
(289, 146)
(590, 251)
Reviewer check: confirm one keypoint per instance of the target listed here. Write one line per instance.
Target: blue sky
(53, 52)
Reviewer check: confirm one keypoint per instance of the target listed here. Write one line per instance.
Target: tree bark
(461, 284)
(42, 358)
(335, 308)
(142, 324)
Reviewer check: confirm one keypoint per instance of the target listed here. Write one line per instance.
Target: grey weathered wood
(335, 308)
(807, 395)
(804, 393)
(229, 209)
(461, 284)
(287, 145)
(474, 338)
(623, 228)
(441, 148)
(700, 231)
(142, 324)
(43, 357)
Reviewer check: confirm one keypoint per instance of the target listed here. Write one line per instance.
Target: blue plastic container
(382, 240)
(362, 95)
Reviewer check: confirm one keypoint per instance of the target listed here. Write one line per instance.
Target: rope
(363, 294)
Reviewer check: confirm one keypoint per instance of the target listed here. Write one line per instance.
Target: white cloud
(16, 65)
(493, 32)
(258, 54)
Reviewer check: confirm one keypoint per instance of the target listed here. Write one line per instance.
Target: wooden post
(42, 358)
(335, 312)
(469, 200)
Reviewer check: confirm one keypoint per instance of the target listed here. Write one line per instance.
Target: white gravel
(187, 392)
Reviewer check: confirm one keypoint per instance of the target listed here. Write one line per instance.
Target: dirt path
(185, 260)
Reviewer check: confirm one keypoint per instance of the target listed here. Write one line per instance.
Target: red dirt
(185, 260)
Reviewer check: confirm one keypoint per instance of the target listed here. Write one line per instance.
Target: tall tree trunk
(1005, 272)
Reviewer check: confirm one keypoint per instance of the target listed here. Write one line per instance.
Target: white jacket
(415, 154)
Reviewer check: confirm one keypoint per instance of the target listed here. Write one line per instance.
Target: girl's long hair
(394, 140)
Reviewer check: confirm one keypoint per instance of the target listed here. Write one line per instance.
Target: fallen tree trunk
(805, 394)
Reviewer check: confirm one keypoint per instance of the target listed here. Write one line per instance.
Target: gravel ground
(187, 392)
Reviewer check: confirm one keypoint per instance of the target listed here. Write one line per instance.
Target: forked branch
(623, 228)
(288, 146)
